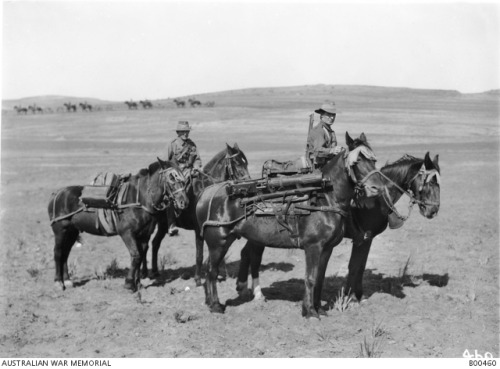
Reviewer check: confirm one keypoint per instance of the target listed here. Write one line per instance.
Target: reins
(413, 200)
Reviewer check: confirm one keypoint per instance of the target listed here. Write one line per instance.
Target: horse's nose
(372, 191)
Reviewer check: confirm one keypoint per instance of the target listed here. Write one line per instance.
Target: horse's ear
(348, 140)
(435, 161)
(235, 146)
(427, 161)
(162, 163)
(363, 137)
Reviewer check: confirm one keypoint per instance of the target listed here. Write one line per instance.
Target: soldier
(322, 142)
(183, 151)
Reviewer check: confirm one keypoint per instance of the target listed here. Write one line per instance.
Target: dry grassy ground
(445, 302)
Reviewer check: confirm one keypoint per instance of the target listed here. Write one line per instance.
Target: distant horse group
(193, 103)
(86, 106)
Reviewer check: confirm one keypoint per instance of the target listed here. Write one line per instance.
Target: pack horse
(128, 206)
(310, 216)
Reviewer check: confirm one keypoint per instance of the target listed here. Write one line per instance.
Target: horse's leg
(144, 270)
(245, 259)
(318, 288)
(199, 257)
(136, 256)
(357, 265)
(312, 260)
(251, 258)
(218, 243)
(160, 235)
(65, 237)
(256, 252)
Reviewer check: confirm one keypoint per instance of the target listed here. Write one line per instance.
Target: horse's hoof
(217, 308)
(129, 285)
(322, 312)
(154, 275)
(221, 278)
(309, 313)
(68, 284)
(59, 285)
(241, 287)
(258, 295)
(198, 282)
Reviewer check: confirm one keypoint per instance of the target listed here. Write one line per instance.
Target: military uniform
(320, 141)
(185, 154)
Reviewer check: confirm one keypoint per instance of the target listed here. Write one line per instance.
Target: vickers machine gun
(272, 187)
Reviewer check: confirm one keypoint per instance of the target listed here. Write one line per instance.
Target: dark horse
(230, 163)
(223, 220)
(131, 104)
(145, 197)
(418, 178)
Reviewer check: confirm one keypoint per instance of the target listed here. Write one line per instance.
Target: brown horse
(223, 219)
(229, 164)
(419, 179)
(144, 197)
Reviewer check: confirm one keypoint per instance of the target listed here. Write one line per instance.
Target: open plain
(432, 286)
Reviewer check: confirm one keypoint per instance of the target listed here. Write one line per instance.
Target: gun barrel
(305, 179)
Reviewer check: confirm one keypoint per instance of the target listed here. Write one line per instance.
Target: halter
(426, 176)
(229, 166)
(168, 178)
(351, 158)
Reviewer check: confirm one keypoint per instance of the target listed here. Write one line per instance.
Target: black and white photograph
(243, 180)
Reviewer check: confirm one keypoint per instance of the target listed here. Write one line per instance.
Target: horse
(223, 219)
(131, 104)
(417, 178)
(21, 110)
(85, 106)
(194, 103)
(229, 164)
(146, 104)
(70, 107)
(179, 103)
(144, 197)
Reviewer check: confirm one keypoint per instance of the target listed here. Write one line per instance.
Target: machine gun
(271, 187)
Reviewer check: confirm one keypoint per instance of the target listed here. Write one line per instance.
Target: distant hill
(297, 97)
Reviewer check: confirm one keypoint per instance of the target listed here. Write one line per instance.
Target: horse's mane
(217, 158)
(399, 169)
(153, 167)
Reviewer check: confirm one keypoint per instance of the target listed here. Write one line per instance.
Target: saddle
(105, 194)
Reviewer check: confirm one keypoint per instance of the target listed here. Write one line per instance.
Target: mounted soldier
(321, 146)
(184, 152)
(321, 141)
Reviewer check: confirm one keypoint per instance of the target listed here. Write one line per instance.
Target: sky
(117, 50)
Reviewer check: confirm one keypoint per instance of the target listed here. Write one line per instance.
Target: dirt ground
(445, 302)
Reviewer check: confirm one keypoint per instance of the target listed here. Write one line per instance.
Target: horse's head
(173, 184)
(360, 165)
(236, 164)
(425, 186)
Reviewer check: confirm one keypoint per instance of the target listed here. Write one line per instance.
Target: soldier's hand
(335, 150)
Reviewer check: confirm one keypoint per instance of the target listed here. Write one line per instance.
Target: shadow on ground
(293, 289)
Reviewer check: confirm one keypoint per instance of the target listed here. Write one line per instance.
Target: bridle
(351, 158)
(167, 179)
(228, 162)
(426, 177)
